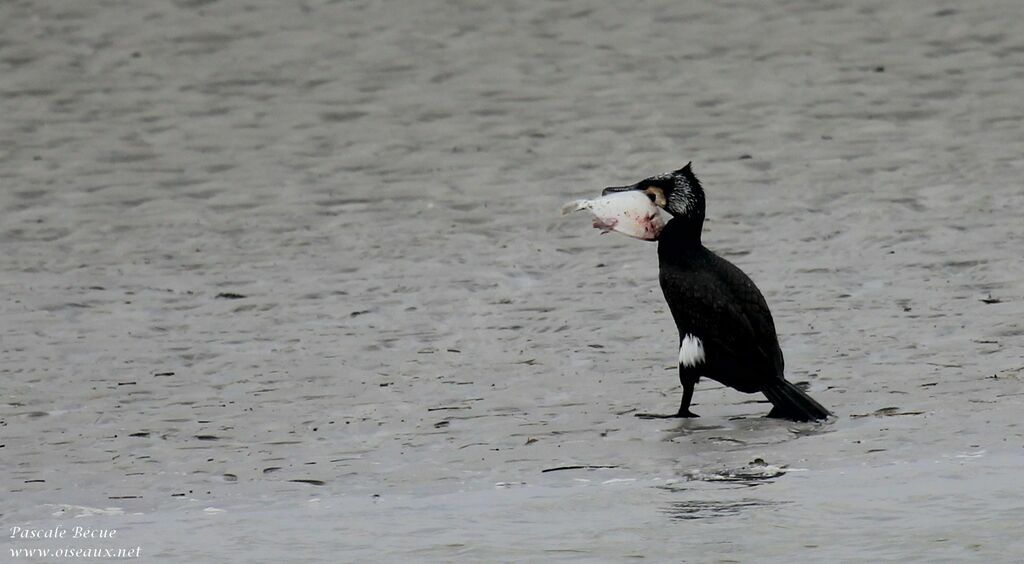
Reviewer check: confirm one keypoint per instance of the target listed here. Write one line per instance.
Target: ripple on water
(709, 509)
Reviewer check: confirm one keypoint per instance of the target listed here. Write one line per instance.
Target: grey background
(421, 334)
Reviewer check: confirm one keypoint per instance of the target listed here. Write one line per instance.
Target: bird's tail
(790, 402)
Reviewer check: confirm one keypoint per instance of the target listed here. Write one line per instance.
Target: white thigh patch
(691, 351)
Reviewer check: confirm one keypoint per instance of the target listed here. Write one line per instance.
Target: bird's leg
(688, 381)
(684, 404)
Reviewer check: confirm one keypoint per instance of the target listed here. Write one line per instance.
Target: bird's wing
(754, 308)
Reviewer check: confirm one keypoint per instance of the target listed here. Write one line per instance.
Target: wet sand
(288, 281)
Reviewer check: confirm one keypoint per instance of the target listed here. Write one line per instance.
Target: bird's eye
(656, 195)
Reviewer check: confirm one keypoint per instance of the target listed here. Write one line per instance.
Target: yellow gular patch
(659, 196)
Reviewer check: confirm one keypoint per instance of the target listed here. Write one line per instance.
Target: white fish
(630, 213)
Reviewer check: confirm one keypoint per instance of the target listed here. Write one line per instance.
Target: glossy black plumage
(714, 301)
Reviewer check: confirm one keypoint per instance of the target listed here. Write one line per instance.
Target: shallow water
(288, 282)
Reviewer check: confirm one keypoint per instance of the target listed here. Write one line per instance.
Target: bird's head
(678, 192)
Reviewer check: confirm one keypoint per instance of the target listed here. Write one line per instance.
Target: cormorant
(726, 331)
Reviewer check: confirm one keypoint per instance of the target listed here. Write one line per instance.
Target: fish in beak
(623, 210)
(655, 194)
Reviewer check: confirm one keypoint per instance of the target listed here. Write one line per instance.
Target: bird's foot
(678, 415)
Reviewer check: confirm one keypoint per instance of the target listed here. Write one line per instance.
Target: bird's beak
(612, 189)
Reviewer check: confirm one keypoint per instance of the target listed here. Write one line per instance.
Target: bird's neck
(680, 238)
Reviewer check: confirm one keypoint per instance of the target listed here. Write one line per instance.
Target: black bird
(726, 331)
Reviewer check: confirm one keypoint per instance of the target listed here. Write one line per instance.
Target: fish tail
(575, 205)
